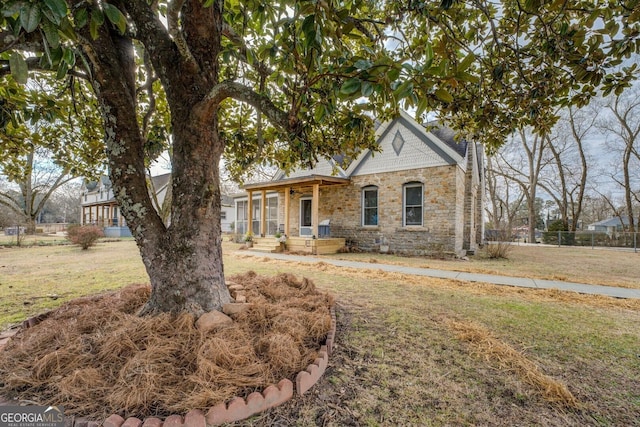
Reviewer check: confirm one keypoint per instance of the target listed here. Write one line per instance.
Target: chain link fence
(592, 239)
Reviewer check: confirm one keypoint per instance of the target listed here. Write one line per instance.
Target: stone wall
(443, 212)
(470, 201)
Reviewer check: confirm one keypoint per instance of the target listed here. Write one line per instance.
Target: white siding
(413, 154)
(324, 167)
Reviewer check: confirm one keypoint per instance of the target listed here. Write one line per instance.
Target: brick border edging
(237, 408)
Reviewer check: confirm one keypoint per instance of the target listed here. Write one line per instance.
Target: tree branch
(173, 23)
(33, 64)
(156, 39)
(242, 93)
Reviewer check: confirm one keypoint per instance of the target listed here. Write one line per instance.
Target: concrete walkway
(581, 288)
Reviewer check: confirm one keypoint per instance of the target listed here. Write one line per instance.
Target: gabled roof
(324, 167)
(405, 144)
(160, 181)
(612, 222)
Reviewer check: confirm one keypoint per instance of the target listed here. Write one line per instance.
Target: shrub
(496, 250)
(84, 235)
(551, 236)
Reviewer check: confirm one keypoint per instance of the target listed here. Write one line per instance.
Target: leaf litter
(95, 356)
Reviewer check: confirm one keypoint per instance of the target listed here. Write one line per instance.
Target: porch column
(263, 214)
(287, 204)
(250, 213)
(82, 217)
(315, 203)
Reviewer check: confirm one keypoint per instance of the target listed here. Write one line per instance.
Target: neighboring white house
(99, 206)
(227, 214)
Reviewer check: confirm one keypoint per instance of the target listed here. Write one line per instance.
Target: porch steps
(266, 244)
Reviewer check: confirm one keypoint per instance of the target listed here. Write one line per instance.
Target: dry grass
(95, 356)
(495, 351)
(476, 288)
(396, 360)
(593, 266)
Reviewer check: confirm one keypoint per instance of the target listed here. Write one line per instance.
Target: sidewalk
(581, 288)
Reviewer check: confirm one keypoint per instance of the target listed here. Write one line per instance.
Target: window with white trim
(412, 204)
(370, 206)
(241, 216)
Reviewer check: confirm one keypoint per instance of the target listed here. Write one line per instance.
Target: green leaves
(115, 16)
(443, 95)
(350, 86)
(30, 17)
(19, 69)
(58, 7)
(97, 19)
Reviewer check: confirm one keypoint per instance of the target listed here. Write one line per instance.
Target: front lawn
(409, 350)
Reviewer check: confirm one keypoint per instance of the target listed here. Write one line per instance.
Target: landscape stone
(213, 320)
(235, 308)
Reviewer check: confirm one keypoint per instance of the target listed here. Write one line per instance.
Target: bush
(497, 250)
(551, 236)
(84, 235)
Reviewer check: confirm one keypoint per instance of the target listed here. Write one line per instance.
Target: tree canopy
(290, 81)
(488, 67)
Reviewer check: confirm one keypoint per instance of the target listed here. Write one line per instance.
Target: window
(255, 218)
(241, 216)
(223, 215)
(412, 204)
(272, 215)
(370, 206)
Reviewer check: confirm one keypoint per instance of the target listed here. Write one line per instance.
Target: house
(99, 206)
(610, 225)
(422, 193)
(227, 214)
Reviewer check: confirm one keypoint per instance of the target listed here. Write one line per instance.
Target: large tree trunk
(186, 269)
(184, 259)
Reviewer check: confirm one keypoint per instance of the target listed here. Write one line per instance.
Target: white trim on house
(364, 206)
(419, 149)
(405, 205)
(306, 230)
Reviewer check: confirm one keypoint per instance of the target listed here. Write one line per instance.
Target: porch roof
(321, 180)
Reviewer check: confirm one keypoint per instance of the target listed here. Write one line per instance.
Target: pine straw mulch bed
(95, 356)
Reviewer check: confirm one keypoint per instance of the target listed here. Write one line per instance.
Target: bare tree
(622, 132)
(36, 179)
(522, 159)
(505, 197)
(566, 183)
(596, 207)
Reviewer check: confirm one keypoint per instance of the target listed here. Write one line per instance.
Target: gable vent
(398, 142)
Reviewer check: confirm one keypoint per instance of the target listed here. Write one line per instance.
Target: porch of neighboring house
(106, 216)
(311, 234)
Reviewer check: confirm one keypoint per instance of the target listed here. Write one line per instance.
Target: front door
(305, 217)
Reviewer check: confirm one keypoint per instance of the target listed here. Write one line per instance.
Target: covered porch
(305, 233)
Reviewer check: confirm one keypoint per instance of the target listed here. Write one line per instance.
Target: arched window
(412, 204)
(370, 206)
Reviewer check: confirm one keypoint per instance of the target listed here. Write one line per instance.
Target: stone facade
(443, 211)
(452, 197)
